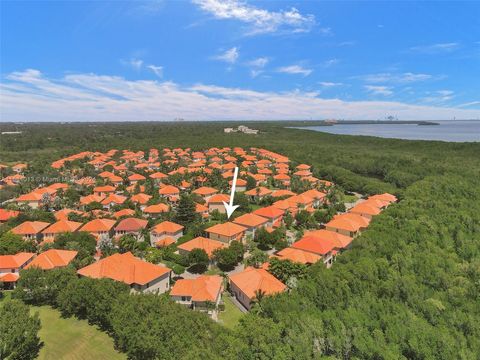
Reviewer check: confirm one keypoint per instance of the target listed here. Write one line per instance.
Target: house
(123, 213)
(226, 232)
(52, 259)
(112, 200)
(140, 275)
(347, 224)
(30, 230)
(341, 242)
(169, 191)
(6, 215)
(201, 209)
(215, 202)
(317, 196)
(282, 193)
(135, 178)
(10, 266)
(205, 192)
(165, 233)
(63, 214)
(385, 197)
(141, 200)
(325, 243)
(85, 200)
(131, 226)
(200, 242)
(104, 191)
(33, 199)
(298, 256)
(240, 186)
(273, 214)
(203, 293)
(156, 209)
(100, 228)
(251, 222)
(366, 209)
(61, 226)
(158, 177)
(246, 285)
(258, 193)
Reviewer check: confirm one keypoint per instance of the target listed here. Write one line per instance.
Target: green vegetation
(71, 339)
(231, 316)
(408, 289)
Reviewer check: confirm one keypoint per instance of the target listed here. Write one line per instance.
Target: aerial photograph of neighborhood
(239, 179)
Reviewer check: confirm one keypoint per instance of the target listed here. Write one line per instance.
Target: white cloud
(471, 103)
(330, 62)
(259, 20)
(158, 70)
(31, 96)
(379, 90)
(230, 56)
(330, 84)
(401, 78)
(295, 69)
(440, 96)
(435, 48)
(136, 64)
(259, 62)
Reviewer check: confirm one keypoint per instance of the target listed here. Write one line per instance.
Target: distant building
(241, 128)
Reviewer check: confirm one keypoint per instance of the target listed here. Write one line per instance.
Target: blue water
(448, 130)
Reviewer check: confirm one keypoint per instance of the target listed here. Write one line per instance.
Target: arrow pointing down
(230, 208)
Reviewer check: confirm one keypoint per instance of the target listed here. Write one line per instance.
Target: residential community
(156, 221)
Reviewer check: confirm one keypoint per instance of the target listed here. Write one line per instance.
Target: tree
(18, 332)
(257, 258)
(284, 270)
(185, 213)
(226, 259)
(128, 242)
(251, 182)
(198, 258)
(11, 244)
(83, 242)
(264, 239)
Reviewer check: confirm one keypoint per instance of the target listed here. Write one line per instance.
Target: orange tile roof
(341, 241)
(30, 227)
(104, 189)
(315, 245)
(169, 190)
(114, 198)
(125, 268)
(203, 288)
(53, 258)
(299, 256)
(63, 214)
(200, 208)
(9, 277)
(348, 221)
(156, 209)
(219, 199)
(15, 261)
(140, 198)
(123, 212)
(84, 200)
(269, 212)
(131, 224)
(205, 190)
(250, 220)
(8, 214)
(314, 194)
(303, 167)
(282, 193)
(32, 196)
(251, 280)
(136, 177)
(167, 227)
(385, 197)
(203, 243)
(98, 225)
(365, 207)
(240, 182)
(62, 226)
(259, 191)
(166, 241)
(226, 229)
(158, 175)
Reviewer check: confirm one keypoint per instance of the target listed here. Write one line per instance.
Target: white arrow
(230, 208)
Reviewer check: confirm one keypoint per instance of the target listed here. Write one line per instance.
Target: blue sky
(213, 59)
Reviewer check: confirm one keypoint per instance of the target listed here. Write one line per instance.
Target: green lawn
(349, 198)
(231, 315)
(70, 338)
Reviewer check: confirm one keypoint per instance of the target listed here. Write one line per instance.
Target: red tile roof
(299, 256)
(98, 225)
(269, 212)
(8, 214)
(15, 261)
(250, 220)
(131, 224)
(156, 209)
(226, 229)
(203, 243)
(30, 227)
(167, 227)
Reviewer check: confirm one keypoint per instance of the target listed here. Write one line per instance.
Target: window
(184, 298)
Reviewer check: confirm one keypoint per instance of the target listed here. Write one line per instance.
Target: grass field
(71, 339)
(231, 316)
